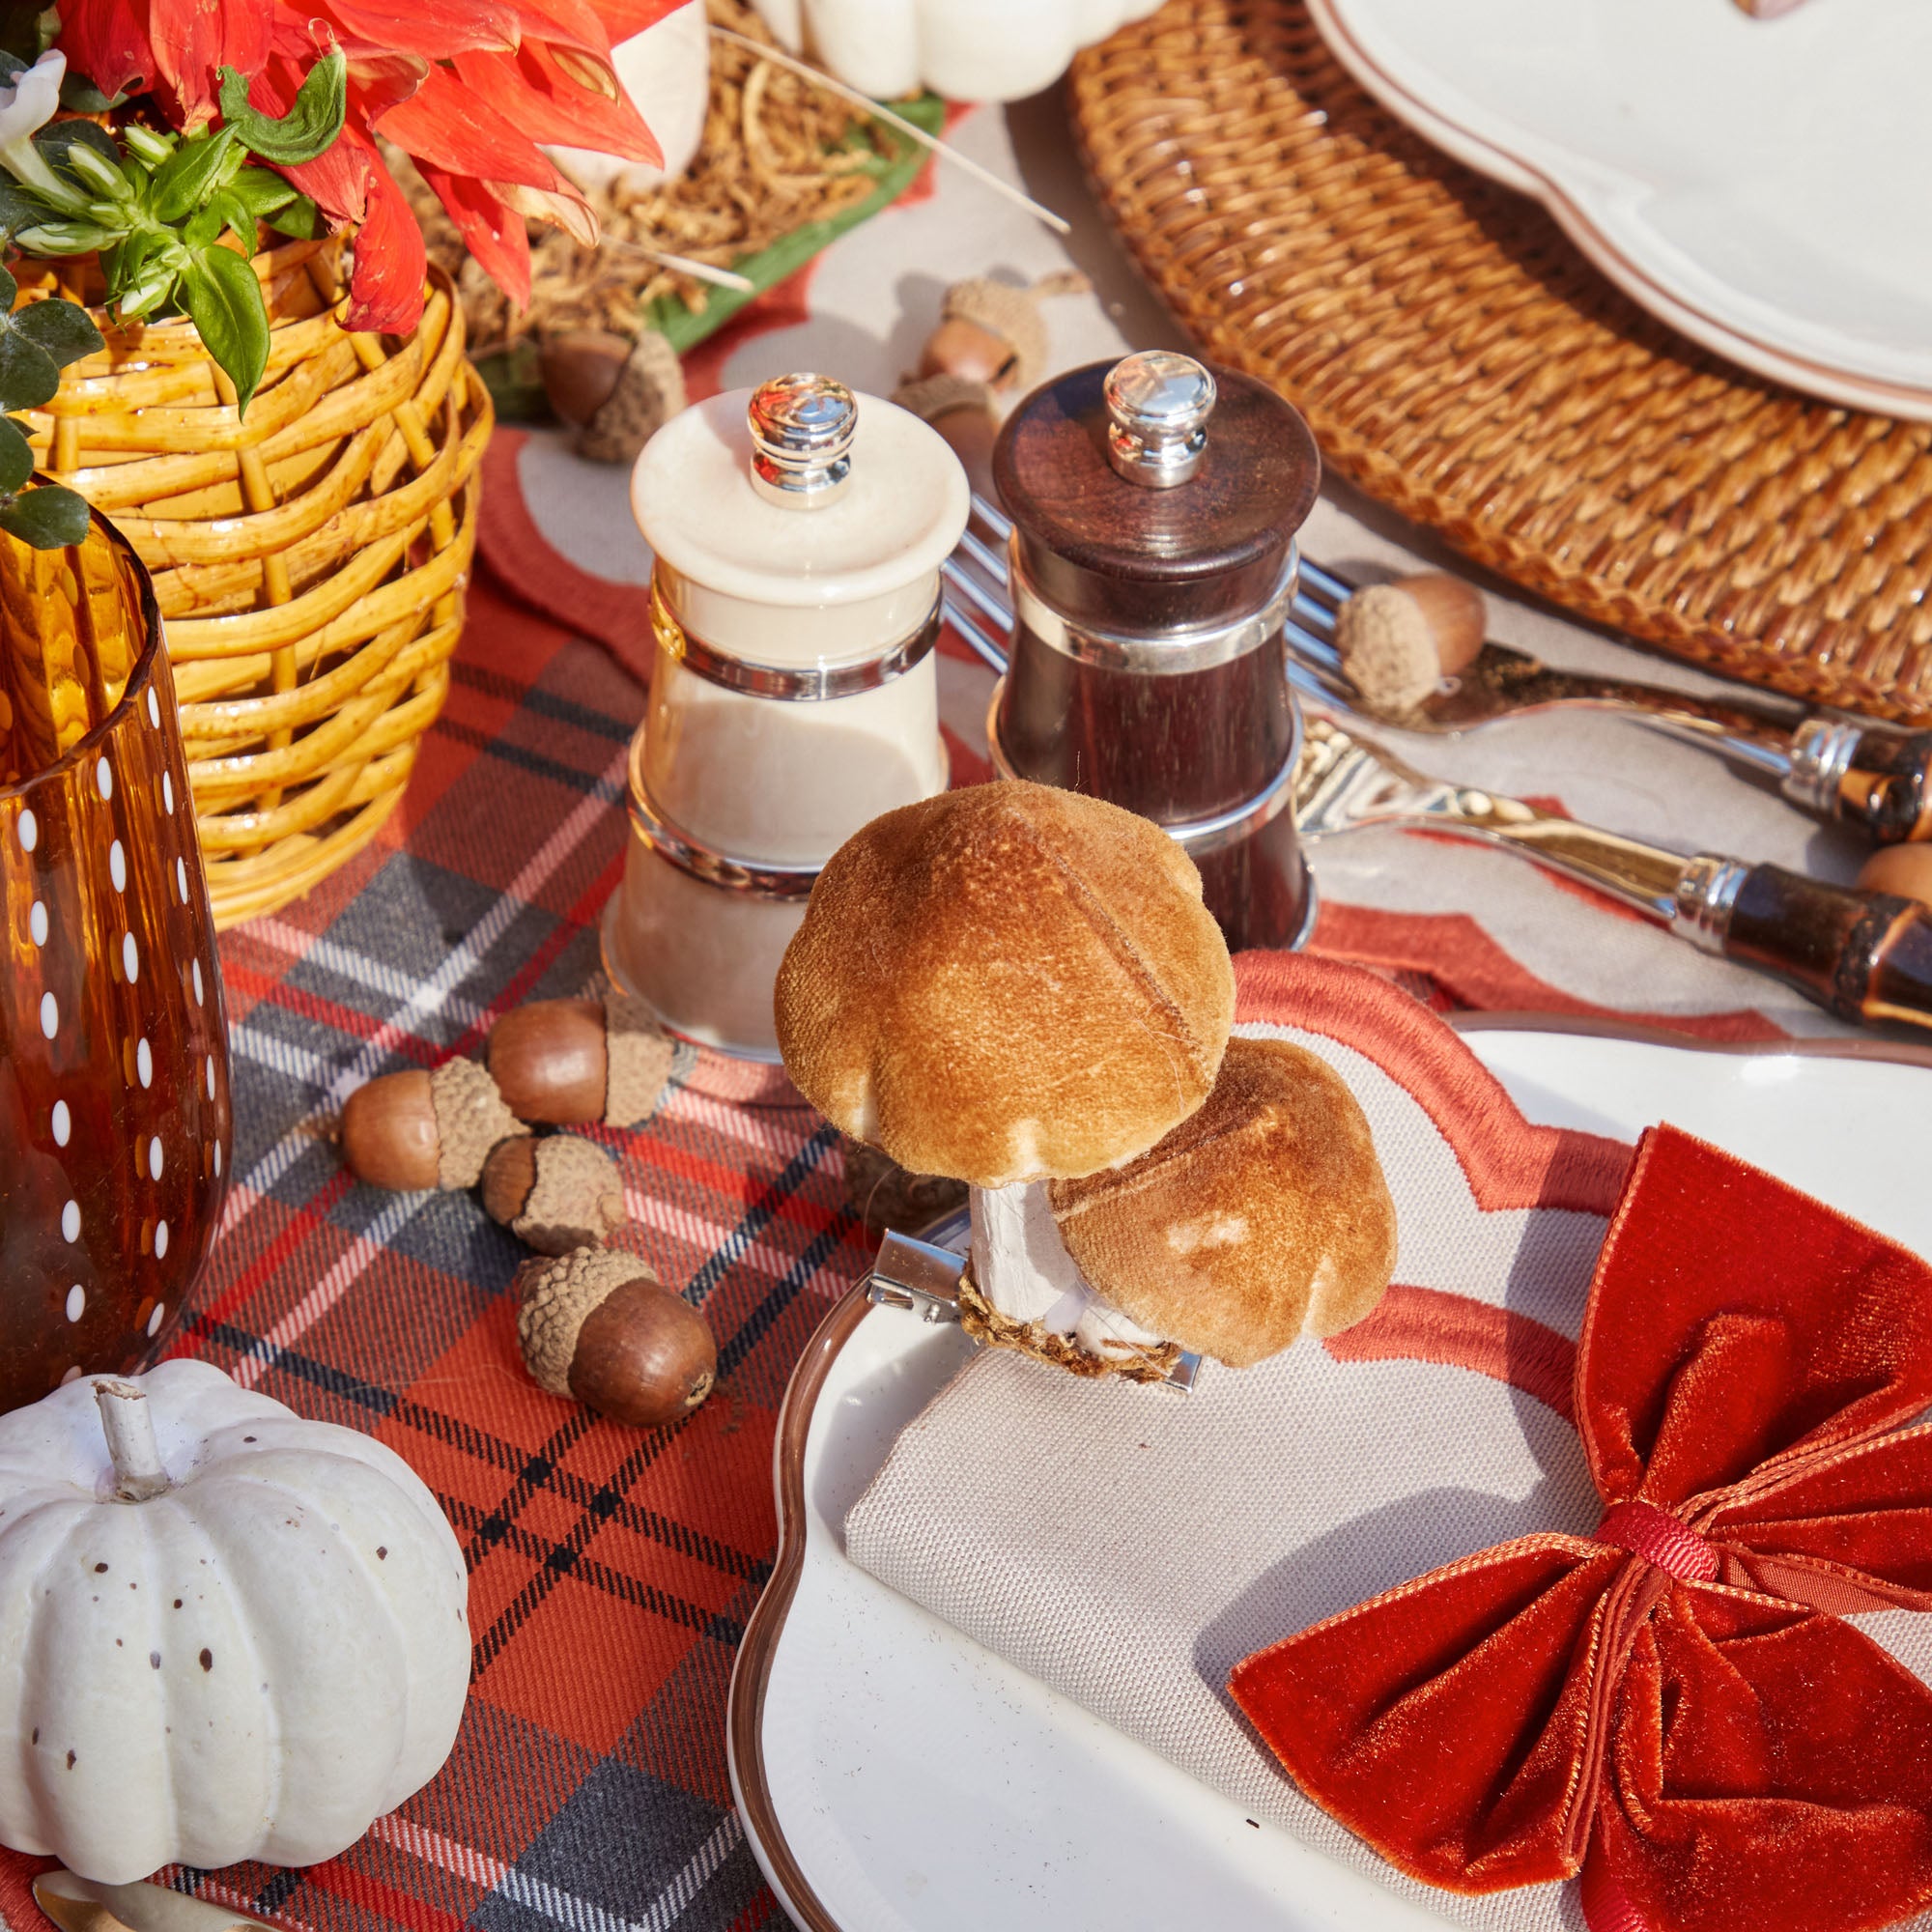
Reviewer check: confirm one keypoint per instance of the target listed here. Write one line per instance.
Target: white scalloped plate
(894, 1777)
(1765, 187)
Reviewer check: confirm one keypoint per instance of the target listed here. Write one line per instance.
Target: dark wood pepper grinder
(1155, 506)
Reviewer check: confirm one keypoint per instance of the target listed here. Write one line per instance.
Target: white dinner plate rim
(1854, 388)
(757, 1653)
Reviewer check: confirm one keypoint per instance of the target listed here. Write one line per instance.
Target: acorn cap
(554, 1195)
(556, 1297)
(1005, 983)
(637, 1058)
(1264, 1216)
(470, 1118)
(1009, 313)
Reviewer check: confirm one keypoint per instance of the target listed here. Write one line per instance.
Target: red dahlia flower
(466, 88)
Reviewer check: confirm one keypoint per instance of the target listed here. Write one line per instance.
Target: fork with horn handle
(1837, 769)
(1863, 957)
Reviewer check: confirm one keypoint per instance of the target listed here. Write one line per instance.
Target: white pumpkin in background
(667, 71)
(225, 1633)
(965, 49)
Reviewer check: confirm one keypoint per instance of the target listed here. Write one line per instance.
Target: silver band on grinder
(1161, 653)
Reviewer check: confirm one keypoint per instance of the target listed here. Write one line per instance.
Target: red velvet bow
(1672, 1706)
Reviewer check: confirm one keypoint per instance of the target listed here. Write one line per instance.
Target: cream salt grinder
(797, 531)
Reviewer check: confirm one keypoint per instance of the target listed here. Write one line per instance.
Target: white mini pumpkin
(965, 49)
(234, 1634)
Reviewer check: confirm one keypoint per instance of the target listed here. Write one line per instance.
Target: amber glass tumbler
(114, 1114)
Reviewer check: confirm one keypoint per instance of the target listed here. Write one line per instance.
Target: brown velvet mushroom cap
(1263, 1216)
(1006, 982)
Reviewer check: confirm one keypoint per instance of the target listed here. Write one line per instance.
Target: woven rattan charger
(309, 560)
(1461, 360)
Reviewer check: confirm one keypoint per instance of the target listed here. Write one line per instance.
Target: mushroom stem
(129, 1429)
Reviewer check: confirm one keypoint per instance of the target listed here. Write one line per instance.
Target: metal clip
(916, 1275)
(923, 1279)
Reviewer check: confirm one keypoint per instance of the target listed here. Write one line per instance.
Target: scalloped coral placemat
(1461, 362)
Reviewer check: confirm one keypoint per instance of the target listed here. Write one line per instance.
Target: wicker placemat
(1461, 360)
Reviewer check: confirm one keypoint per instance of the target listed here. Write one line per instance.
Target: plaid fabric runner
(610, 1571)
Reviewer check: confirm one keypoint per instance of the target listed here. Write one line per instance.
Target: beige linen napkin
(1126, 1546)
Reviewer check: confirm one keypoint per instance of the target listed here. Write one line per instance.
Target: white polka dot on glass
(50, 1015)
(77, 1302)
(218, 1160)
(37, 922)
(154, 709)
(194, 972)
(168, 793)
(63, 1123)
(155, 1320)
(208, 1076)
(104, 777)
(71, 1221)
(160, 1240)
(117, 867)
(155, 1158)
(180, 879)
(144, 1063)
(28, 827)
(130, 958)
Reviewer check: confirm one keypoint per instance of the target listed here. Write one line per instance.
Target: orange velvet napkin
(1673, 1706)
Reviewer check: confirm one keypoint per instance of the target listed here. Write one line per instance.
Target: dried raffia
(777, 153)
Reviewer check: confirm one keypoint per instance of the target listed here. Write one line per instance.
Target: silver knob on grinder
(802, 429)
(1157, 409)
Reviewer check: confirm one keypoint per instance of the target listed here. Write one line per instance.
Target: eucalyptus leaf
(63, 328)
(80, 95)
(16, 456)
(28, 375)
(312, 122)
(19, 209)
(186, 176)
(49, 517)
(224, 302)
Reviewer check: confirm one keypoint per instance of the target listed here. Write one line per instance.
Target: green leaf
(80, 95)
(186, 176)
(224, 302)
(310, 125)
(201, 227)
(18, 208)
(16, 456)
(301, 219)
(63, 328)
(28, 375)
(232, 211)
(262, 192)
(49, 516)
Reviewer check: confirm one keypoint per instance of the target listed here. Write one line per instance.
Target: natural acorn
(615, 394)
(570, 1062)
(989, 332)
(961, 409)
(418, 1129)
(1397, 640)
(556, 1194)
(599, 1325)
(1904, 870)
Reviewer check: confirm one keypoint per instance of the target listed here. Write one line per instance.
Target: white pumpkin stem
(129, 1429)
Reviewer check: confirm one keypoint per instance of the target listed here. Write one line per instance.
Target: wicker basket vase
(311, 561)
